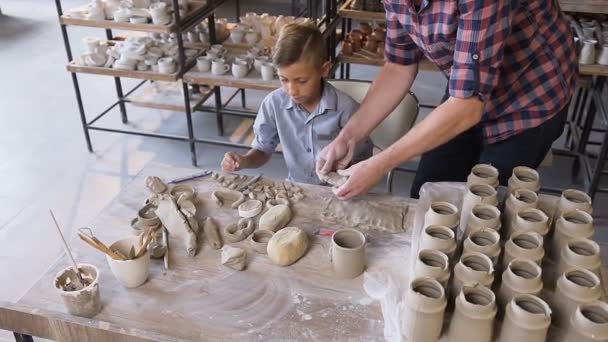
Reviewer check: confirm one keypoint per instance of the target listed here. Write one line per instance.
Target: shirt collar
(329, 99)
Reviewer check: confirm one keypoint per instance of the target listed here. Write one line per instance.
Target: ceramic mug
(91, 44)
(267, 71)
(240, 69)
(236, 36)
(252, 37)
(347, 253)
(203, 63)
(257, 64)
(219, 66)
(218, 48)
(246, 59)
(214, 54)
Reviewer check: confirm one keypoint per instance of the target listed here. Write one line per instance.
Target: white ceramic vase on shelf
(527, 319)
(589, 323)
(517, 201)
(569, 226)
(433, 264)
(575, 287)
(587, 54)
(473, 268)
(440, 238)
(524, 178)
(485, 241)
(473, 319)
(483, 174)
(483, 216)
(520, 277)
(531, 220)
(524, 246)
(441, 213)
(602, 58)
(424, 307)
(572, 199)
(581, 253)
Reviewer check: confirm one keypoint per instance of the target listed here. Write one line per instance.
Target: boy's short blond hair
(299, 42)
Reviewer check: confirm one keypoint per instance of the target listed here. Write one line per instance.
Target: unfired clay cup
(130, 273)
(347, 253)
(86, 301)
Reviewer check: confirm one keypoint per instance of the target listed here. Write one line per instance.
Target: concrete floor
(44, 161)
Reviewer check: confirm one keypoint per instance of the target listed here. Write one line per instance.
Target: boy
(304, 115)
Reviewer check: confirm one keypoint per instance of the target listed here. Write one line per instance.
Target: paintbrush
(67, 251)
(166, 243)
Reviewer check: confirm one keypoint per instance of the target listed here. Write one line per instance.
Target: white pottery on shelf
(587, 54)
(571, 225)
(520, 277)
(219, 66)
(589, 323)
(267, 70)
(575, 287)
(167, 65)
(424, 307)
(441, 213)
(439, 238)
(524, 246)
(434, 264)
(602, 57)
(485, 241)
(474, 314)
(524, 178)
(527, 318)
(240, 69)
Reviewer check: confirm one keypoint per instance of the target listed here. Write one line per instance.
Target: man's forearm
(254, 159)
(443, 124)
(386, 92)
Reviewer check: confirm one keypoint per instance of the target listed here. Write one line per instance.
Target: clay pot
(347, 48)
(356, 35)
(380, 50)
(581, 253)
(130, 273)
(571, 225)
(483, 216)
(347, 253)
(531, 220)
(356, 45)
(380, 33)
(524, 246)
(587, 54)
(476, 194)
(371, 45)
(485, 241)
(574, 288)
(527, 319)
(589, 323)
(425, 303)
(524, 178)
(443, 214)
(259, 240)
(483, 174)
(434, 264)
(520, 277)
(86, 301)
(517, 201)
(365, 28)
(572, 199)
(473, 319)
(473, 268)
(439, 238)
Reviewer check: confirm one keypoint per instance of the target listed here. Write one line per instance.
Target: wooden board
(585, 6)
(252, 81)
(346, 12)
(593, 69)
(166, 96)
(424, 64)
(199, 299)
(195, 8)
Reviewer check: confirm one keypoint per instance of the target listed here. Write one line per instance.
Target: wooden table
(199, 299)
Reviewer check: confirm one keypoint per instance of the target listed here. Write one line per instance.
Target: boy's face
(302, 81)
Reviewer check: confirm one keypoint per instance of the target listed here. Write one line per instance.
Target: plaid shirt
(516, 56)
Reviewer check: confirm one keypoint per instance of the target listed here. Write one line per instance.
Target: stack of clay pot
(131, 11)
(591, 40)
(366, 41)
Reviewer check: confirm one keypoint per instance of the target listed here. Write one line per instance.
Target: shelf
(143, 75)
(252, 81)
(167, 96)
(196, 8)
(346, 12)
(593, 69)
(585, 6)
(424, 64)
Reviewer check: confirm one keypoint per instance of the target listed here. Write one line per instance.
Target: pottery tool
(97, 244)
(325, 232)
(144, 244)
(192, 176)
(166, 243)
(249, 182)
(67, 250)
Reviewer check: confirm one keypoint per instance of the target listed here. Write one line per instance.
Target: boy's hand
(336, 156)
(232, 162)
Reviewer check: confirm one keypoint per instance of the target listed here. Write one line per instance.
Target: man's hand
(232, 162)
(362, 177)
(336, 156)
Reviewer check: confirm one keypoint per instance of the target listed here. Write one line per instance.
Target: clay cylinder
(473, 268)
(589, 323)
(483, 216)
(425, 303)
(483, 174)
(582, 253)
(520, 277)
(524, 246)
(574, 288)
(440, 238)
(524, 178)
(130, 273)
(433, 264)
(476, 194)
(531, 220)
(485, 241)
(569, 226)
(527, 319)
(517, 201)
(443, 214)
(473, 319)
(572, 199)
(347, 253)
(85, 302)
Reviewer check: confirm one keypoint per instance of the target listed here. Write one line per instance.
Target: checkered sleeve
(483, 28)
(265, 127)
(399, 47)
